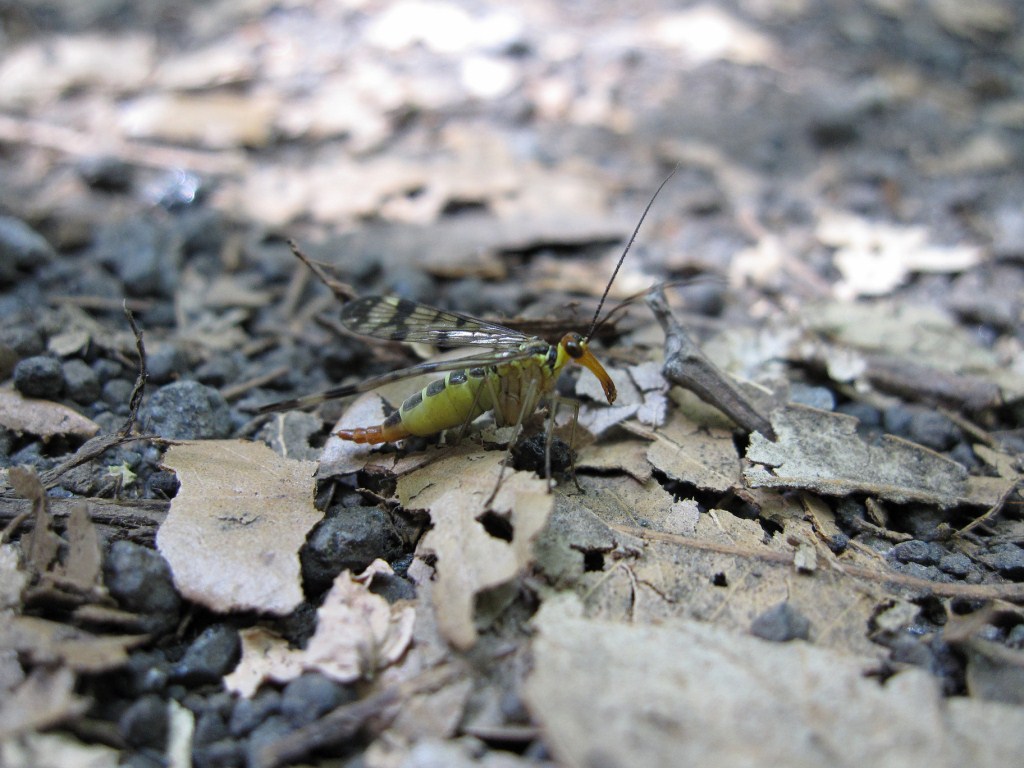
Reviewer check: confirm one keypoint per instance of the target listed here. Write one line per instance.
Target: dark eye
(573, 347)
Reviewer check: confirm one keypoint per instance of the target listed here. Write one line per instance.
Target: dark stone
(210, 727)
(187, 410)
(393, 587)
(25, 340)
(21, 248)
(39, 376)
(166, 363)
(1007, 559)
(140, 580)
(144, 724)
(781, 624)
(918, 571)
(311, 695)
(868, 415)
(269, 731)
(163, 484)
(81, 383)
(249, 713)
(915, 551)
(816, 397)
(147, 672)
(106, 173)
(956, 564)
(226, 753)
(933, 430)
(117, 393)
(145, 255)
(211, 656)
(350, 539)
(896, 420)
(220, 370)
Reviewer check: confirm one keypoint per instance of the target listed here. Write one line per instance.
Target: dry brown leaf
(83, 561)
(629, 456)
(822, 451)
(701, 456)
(42, 418)
(786, 704)
(44, 699)
(40, 545)
(234, 530)
(45, 642)
(470, 559)
(358, 633)
(664, 559)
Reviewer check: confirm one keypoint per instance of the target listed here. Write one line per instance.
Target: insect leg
(528, 398)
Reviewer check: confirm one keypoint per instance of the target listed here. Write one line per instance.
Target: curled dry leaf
(42, 418)
(357, 634)
(473, 557)
(234, 530)
(822, 451)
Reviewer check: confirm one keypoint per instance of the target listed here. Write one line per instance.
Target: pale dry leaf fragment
(45, 698)
(701, 456)
(13, 577)
(358, 633)
(875, 257)
(822, 451)
(470, 560)
(266, 656)
(234, 530)
(42, 418)
(792, 704)
(55, 750)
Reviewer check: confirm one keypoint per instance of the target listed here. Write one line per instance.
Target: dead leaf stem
(1010, 592)
(688, 367)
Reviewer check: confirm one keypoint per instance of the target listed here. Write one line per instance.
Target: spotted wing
(438, 366)
(395, 319)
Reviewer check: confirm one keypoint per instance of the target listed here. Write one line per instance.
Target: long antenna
(622, 258)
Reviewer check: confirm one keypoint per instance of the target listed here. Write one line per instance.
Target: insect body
(511, 378)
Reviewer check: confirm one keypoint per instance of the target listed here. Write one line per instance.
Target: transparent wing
(479, 361)
(388, 317)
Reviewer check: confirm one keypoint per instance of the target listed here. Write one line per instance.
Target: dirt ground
(784, 523)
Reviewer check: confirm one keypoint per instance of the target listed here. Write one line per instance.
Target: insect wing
(395, 319)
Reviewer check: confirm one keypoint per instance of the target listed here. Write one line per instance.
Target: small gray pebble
(211, 656)
(39, 376)
(1007, 559)
(956, 563)
(21, 247)
(781, 624)
(916, 551)
(933, 430)
(144, 723)
(187, 410)
(816, 397)
(81, 383)
(140, 580)
(309, 696)
(117, 393)
(249, 713)
(351, 539)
